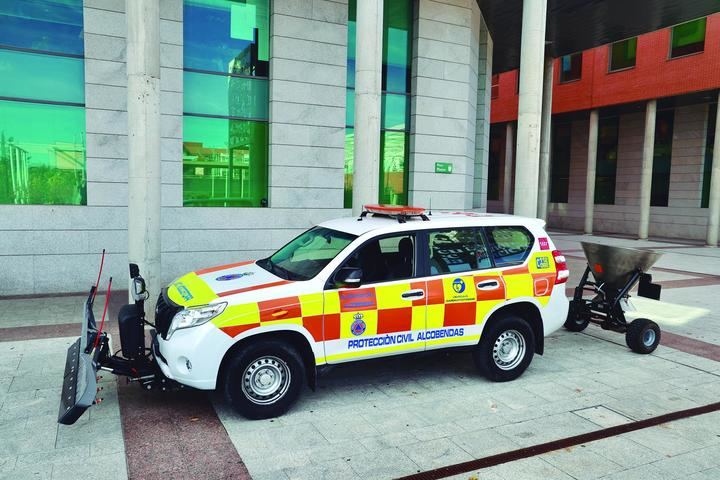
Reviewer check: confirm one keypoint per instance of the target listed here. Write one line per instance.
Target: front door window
(386, 314)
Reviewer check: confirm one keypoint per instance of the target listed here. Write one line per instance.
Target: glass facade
(395, 119)
(560, 162)
(606, 168)
(570, 67)
(225, 126)
(688, 38)
(623, 54)
(709, 147)
(42, 99)
(662, 158)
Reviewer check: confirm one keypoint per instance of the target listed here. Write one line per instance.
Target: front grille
(165, 310)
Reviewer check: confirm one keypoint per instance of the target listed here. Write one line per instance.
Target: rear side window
(454, 251)
(509, 245)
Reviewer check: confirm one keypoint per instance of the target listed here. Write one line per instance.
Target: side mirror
(139, 291)
(348, 277)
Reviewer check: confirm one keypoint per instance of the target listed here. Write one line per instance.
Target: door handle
(488, 285)
(419, 293)
(279, 313)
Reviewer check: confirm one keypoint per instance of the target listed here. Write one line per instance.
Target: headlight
(194, 316)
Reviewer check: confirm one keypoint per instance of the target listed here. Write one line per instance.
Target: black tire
(642, 336)
(488, 354)
(255, 364)
(578, 317)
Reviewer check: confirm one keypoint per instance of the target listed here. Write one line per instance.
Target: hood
(203, 286)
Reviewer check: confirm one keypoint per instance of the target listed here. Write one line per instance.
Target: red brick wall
(654, 76)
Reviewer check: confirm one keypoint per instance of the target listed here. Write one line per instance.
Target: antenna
(430, 209)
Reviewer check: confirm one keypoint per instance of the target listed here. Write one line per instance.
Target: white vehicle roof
(439, 219)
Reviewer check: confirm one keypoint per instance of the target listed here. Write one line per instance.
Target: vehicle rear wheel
(505, 350)
(642, 335)
(264, 379)
(578, 317)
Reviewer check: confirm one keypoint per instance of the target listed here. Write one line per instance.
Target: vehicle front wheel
(264, 379)
(505, 349)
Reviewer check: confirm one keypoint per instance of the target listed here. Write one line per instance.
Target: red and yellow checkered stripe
(451, 301)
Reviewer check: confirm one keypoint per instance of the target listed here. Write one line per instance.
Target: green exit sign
(443, 167)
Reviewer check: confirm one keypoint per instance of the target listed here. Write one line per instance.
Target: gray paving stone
(545, 429)
(483, 443)
(329, 470)
(383, 464)
(624, 452)
(435, 453)
(582, 463)
(602, 416)
(34, 472)
(382, 442)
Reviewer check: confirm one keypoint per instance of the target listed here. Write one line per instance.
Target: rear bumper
(555, 312)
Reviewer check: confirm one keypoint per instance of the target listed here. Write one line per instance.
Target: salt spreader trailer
(614, 272)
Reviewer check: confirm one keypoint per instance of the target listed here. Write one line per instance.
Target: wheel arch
(528, 311)
(292, 337)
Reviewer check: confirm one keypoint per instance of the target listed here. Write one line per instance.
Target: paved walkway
(393, 417)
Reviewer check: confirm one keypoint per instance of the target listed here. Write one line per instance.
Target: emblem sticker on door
(542, 262)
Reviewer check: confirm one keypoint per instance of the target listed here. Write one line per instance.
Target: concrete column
(508, 167)
(368, 70)
(143, 105)
(532, 54)
(714, 200)
(545, 140)
(590, 178)
(647, 168)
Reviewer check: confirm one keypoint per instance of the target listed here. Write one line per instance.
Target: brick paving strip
(175, 435)
(542, 448)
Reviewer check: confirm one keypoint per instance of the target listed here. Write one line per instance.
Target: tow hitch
(92, 352)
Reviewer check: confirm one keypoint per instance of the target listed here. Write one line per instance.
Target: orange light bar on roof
(394, 209)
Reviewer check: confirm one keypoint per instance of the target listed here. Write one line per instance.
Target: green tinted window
(42, 119)
(224, 162)
(226, 96)
(395, 112)
(397, 41)
(395, 125)
(662, 157)
(225, 136)
(688, 38)
(42, 154)
(606, 167)
(47, 25)
(623, 54)
(227, 36)
(41, 77)
(349, 151)
(393, 167)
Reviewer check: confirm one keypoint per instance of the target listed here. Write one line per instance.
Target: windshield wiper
(275, 269)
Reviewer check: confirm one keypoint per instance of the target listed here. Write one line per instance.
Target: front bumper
(192, 356)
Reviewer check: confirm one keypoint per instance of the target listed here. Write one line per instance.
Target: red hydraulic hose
(97, 283)
(102, 321)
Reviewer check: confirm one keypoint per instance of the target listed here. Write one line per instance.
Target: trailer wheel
(264, 379)
(642, 335)
(505, 349)
(578, 317)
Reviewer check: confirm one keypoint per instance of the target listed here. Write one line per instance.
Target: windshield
(306, 255)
